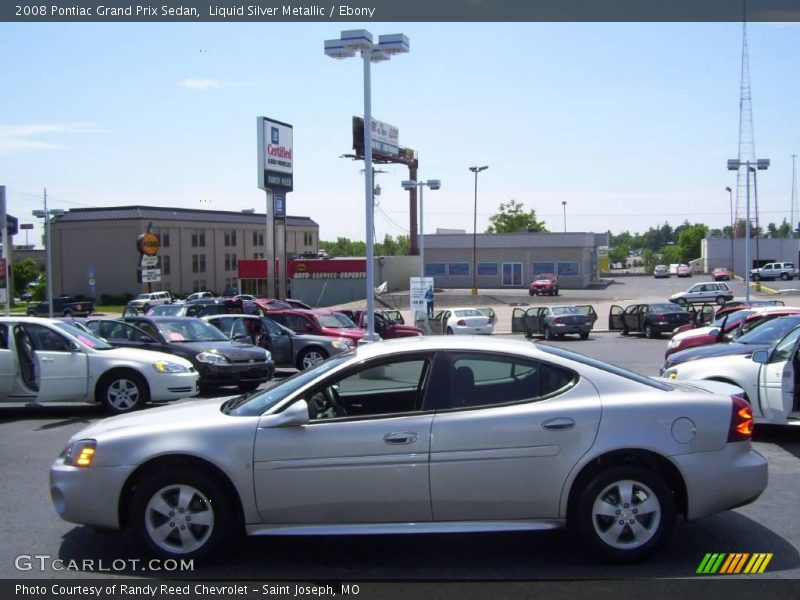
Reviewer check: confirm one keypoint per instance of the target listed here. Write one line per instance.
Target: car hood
(407, 328)
(714, 350)
(184, 415)
(230, 350)
(690, 333)
(345, 332)
(141, 355)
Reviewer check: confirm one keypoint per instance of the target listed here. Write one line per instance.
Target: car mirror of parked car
(761, 357)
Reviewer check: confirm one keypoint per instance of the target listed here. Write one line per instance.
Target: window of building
(199, 285)
(198, 263)
(569, 269)
(512, 274)
(543, 267)
(198, 238)
(202, 263)
(165, 239)
(227, 262)
(435, 270)
(487, 269)
(258, 238)
(459, 269)
(230, 237)
(308, 238)
(165, 265)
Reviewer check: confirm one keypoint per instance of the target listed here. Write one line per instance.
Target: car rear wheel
(449, 331)
(755, 277)
(650, 333)
(123, 392)
(310, 358)
(548, 333)
(177, 514)
(584, 335)
(720, 300)
(67, 313)
(625, 513)
(784, 276)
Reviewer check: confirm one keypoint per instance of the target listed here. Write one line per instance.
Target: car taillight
(461, 322)
(661, 319)
(559, 320)
(741, 429)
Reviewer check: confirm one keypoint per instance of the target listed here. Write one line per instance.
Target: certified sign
(148, 244)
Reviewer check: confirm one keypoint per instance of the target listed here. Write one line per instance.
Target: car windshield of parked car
(257, 404)
(89, 339)
(769, 332)
(608, 368)
(336, 321)
(190, 330)
(732, 318)
(166, 310)
(665, 308)
(566, 310)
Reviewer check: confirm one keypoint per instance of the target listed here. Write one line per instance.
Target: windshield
(608, 368)
(770, 332)
(666, 308)
(189, 330)
(89, 339)
(733, 318)
(336, 321)
(143, 297)
(167, 310)
(257, 404)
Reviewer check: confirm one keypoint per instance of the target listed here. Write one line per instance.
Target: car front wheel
(310, 358)
(720, 300)
(182, 514)
(625, 514)
(123, 392)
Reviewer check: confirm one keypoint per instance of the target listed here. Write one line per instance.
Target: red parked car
(318, 322)
(723, 329)
(722, 274)
(546, 283)
(385, 326)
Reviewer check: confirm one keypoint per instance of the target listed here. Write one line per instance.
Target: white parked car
(143, 302)
(767, 377)
(47, 360)
(466, 320)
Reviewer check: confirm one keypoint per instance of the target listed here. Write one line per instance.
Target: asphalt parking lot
(30, 438)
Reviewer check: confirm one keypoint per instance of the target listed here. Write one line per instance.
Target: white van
(143, 302)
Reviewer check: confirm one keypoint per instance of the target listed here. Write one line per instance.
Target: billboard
(275, 154)
(385, 138)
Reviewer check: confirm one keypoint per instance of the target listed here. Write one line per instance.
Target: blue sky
(630, 124)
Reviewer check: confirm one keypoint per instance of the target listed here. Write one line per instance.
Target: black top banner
(405, 10)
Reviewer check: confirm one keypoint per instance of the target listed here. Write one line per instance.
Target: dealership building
(199, 249)
(511, 260)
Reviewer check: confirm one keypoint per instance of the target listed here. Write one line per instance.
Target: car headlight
(671, 373)
(212, 358)
(80, 453)
(672, 343)
(341, 344)
(165, 366)
(269, 355)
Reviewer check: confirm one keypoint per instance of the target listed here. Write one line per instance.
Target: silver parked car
(709, 291)
(554, 321)
(422, 434)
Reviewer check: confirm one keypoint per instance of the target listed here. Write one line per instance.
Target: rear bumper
(719, 481)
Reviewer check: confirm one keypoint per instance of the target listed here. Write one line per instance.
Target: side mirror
(240, 336)
(761, 357)
(293, 416)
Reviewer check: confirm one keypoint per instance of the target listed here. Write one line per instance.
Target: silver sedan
(423, 434)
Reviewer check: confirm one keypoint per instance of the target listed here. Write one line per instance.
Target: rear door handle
(47, 360)
(558, 424)
(400, 437)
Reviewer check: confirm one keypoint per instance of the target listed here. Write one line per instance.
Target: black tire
(556, 292)
(755, 277)
(123, 392)
(785, 277)
(651, 333)
(67, 313)
(528, 334)
(145, 308)
(720, 300)
(305, 360)
(208, 503)
(584, 335)
(31, 313)
(449, 331)
(248, 386)
(602, 510)
(548, 333)
(530, 293)
(625, 331)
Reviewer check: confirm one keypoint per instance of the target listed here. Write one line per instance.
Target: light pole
(350, 42)
(409, 184)
(730, 200)
(734, 164)
(475, 170)
(564, 204)
(47, 215)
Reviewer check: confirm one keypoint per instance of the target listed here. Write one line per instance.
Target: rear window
(666, 308)
(613, 369)
(469, 313)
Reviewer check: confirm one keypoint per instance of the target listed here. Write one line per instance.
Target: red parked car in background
(722, 274)
(385, 326)
(318, 322)
(546, 283)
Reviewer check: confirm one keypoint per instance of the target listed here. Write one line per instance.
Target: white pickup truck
(776, 270)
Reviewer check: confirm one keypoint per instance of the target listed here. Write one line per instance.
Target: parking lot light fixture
(433, 184)
(349, 43)
(734, 164)
(475, 170)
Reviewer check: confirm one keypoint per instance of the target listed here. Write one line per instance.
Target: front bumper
(88, 496)
(165, 387)
(719, 481)
(236, 373)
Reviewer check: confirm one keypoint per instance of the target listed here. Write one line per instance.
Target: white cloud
(18, 137)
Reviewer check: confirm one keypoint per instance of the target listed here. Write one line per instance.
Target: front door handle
(558, 424)
(400, 437)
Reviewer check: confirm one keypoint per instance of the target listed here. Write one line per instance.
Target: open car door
(588, 310)
(776, 381)
(517, 324)
(615, 319)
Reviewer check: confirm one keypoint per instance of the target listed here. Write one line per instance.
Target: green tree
(511, 217)
(690, 240)
(618, 254)
(671, 254)
(24, 273)
(649, 259)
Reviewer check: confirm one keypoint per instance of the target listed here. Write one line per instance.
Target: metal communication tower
(747, 145)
